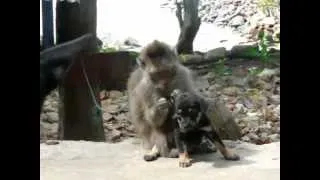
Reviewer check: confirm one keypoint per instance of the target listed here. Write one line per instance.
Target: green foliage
(267, 5)
(221, 69)
(262, 52)
(134, 54)
(105, 49)
(183, 57)
(108, 49)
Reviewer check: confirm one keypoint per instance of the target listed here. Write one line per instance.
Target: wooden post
(73, 20)
(47, 22)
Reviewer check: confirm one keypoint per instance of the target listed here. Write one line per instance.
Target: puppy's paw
(184, 160)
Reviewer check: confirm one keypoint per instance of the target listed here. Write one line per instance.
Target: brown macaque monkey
(159, 72)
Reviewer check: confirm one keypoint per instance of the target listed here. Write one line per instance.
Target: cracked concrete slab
(84, 160)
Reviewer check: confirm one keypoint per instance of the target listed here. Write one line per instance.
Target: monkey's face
(187, 111)
(159, 63)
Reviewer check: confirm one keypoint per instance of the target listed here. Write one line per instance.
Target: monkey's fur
(54, 61)
(191, 126)
(159, 72)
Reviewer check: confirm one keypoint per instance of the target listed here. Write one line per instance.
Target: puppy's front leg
(184, 159)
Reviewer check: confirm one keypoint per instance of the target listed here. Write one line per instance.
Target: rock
(191, 58)
(115, 94)
(52, 117)
(277, 111)
(237, 21)
(239, 108)
(244, 51)
(245, 139)
(216, 54)
(268, 74)
(268, 21)
(121, 117)
(264, 138)
(260, 84)
(253, 137)
(107, 117)
(115, 135)
(112, 108)
(274, 99)
(201, 83)
(210, 77)
(247, 103)
(274, 137)
(131, 42)
(51, 142)
(265, 128)
(231, 91)
(252, 118)
(239, 81)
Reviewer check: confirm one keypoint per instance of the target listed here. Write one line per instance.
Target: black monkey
(55, 60)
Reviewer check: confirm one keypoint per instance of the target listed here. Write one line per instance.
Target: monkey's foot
(152, 155)
(184, 160)
(232, 156)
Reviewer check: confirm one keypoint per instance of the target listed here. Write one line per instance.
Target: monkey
(191, 126)
(54, 61)
(149, 86)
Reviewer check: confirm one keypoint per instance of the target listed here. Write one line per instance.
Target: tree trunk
(73, 20)
(189, 25)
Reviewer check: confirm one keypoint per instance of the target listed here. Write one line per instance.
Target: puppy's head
(187, 110)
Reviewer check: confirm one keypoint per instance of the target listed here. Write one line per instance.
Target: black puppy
(54, 61)
(191, 125)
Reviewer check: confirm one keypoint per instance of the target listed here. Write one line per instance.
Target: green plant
(134, 54)
(267, 6)
(263, 47)
(221, 69)
(183, 57)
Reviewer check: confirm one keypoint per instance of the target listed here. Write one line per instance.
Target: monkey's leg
(184, 159)
(227, 154)
(156, 116)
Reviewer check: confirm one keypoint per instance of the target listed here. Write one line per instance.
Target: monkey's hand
(184, 160)
(161, 111)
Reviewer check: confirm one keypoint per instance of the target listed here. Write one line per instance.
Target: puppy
(191, 126)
